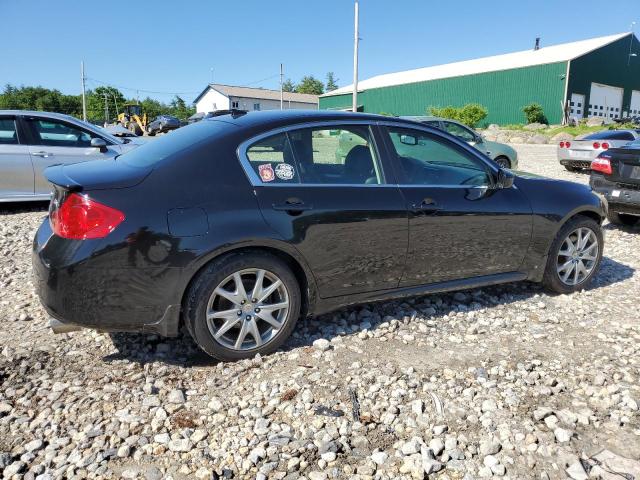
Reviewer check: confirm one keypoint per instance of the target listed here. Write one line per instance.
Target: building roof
(258, 93)
(545, 55)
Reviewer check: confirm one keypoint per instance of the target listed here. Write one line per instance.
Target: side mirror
(505, 178)
(408, 140)
(99, 143)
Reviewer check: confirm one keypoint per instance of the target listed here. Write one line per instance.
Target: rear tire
(622, 219)
(230, 325)
(584, 260)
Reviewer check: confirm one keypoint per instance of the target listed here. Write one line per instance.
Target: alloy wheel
(247, 309)
(577, 256)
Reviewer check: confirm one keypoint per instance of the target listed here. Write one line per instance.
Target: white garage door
(635, 104)
(605, 101)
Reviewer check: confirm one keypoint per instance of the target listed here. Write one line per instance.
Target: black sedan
(239, 224)
(163, 124)
(615, 174)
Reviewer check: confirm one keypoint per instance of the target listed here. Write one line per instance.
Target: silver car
(32, 141)
(579, 153)
(502, 154)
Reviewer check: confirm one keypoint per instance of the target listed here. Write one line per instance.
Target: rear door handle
(292, 205)
(428, 205)
(42, 154)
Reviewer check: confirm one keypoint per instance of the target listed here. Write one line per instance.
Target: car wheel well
(499, 157)
(587, 213)
(291, 262)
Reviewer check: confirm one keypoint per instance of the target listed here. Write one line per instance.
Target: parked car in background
(579, 153)
(616, 175)
(163, 124)
(504, 155)
(32, 141)
(237, 238)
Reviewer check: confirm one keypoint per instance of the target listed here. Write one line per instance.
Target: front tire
(574, 256)
(243, 304)
(622, 219)
(503, 162)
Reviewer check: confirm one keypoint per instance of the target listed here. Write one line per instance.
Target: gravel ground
(503, 381)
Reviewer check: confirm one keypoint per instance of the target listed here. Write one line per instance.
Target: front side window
(59, 134)
(272, 160)
(8, 134)
(459, 131)
(341, 155)
(425, 159)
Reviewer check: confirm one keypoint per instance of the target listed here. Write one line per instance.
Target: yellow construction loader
(133, 119)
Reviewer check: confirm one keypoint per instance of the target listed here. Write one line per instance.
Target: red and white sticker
(266, 172)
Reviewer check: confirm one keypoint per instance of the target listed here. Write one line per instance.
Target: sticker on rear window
(284, 171)
(266, 172)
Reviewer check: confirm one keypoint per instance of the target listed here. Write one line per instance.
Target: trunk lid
(625, 166)
(96, 175)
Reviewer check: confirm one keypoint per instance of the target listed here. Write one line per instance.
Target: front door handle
(428, 205)
(292, 205)
(42, 154)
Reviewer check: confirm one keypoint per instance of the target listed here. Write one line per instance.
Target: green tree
(180, 109)
(288, 86)
(470, 114)
(39, 98)
(534, 113)
(310, 84)
(332, 82)
(96, 103)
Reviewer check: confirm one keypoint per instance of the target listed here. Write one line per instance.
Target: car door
(16, 169)
(323, 189)
(460, 224)
(54, 141)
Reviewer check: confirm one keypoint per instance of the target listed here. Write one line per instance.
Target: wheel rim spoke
(577, 256)
(237, 315)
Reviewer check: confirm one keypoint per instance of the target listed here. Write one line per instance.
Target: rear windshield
(156, 150)
(610, 135)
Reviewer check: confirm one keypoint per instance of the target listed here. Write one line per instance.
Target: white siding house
(224, 97)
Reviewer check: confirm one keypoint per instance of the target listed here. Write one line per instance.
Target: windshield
(158, 150)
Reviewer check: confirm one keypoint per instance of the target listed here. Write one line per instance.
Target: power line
(121, 87)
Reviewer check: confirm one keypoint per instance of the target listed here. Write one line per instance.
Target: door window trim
(256, 182)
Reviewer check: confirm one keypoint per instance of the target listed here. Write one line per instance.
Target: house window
(235, 104)
(256, 106)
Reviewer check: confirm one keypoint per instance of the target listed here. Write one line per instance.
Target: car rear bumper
(79, 289)
(622, 198)
(571, 162)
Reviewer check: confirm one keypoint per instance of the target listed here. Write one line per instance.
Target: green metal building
(599, 77)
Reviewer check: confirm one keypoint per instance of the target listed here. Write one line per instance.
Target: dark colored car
(616, 175)
(239, 224)
(162, 124)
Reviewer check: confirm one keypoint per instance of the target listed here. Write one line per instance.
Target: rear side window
(272, 160)
(158, 150)
(610, 135)
(8, 134)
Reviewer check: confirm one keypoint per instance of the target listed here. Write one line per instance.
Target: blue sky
(171, 46)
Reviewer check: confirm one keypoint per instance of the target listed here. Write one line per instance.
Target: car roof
(275, 118)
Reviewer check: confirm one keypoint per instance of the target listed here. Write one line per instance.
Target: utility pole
(106, 109)
(356, 40)
(84, 99)
(281, 94)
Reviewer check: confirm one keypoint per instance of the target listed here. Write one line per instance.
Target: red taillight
(602, 165)
(561, 144)
(567, 144)
(81, 218)
(604, 145)
(596, 145)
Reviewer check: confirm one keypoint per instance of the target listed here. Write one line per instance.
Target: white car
(32, 141)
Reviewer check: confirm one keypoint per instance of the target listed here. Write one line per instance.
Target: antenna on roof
(537, 47)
